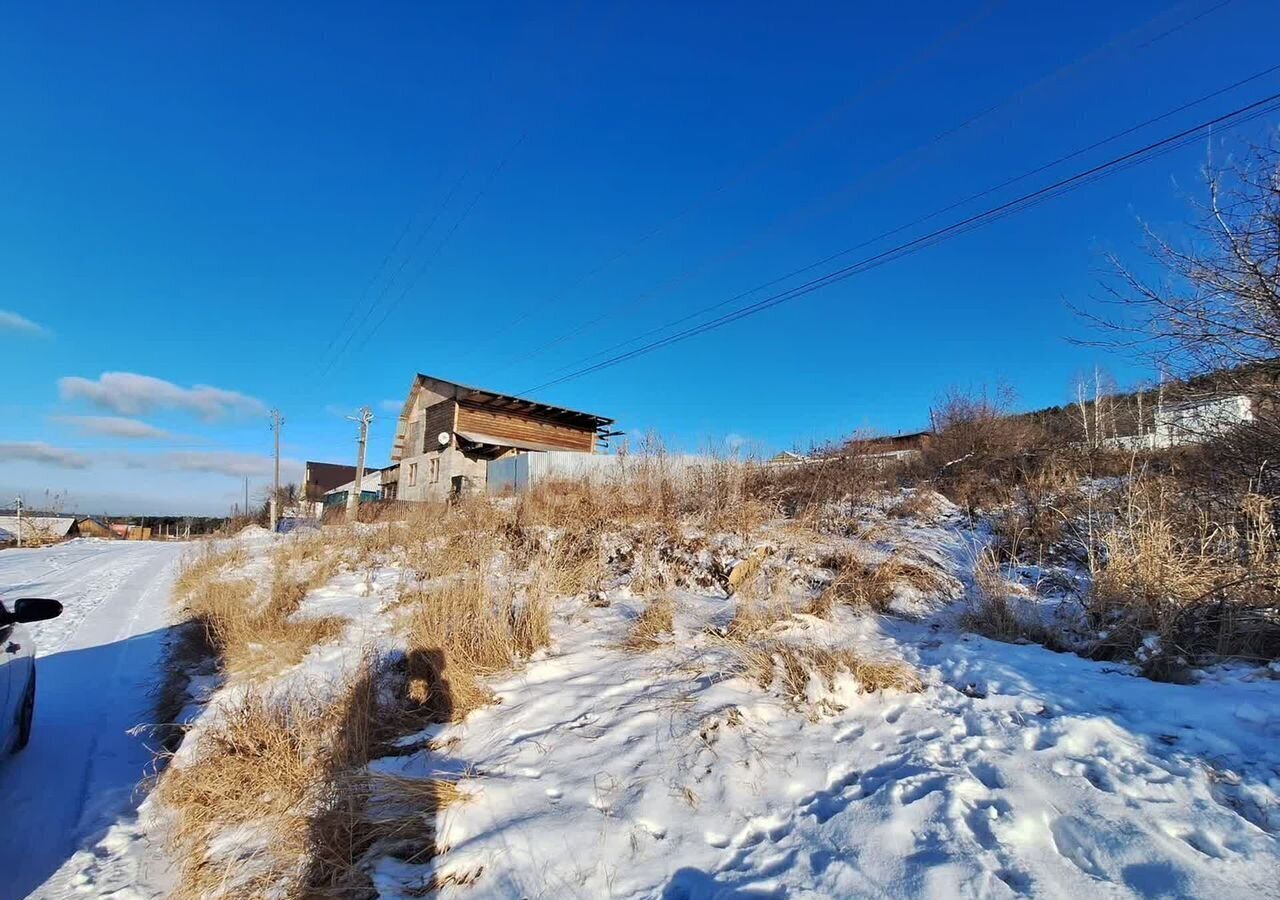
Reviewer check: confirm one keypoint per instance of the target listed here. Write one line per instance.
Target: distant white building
(1188, 422)
(38, 529)
(1197, 421)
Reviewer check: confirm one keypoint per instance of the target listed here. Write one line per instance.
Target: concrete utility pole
(17, 502)
(353, 498)
(276, 421)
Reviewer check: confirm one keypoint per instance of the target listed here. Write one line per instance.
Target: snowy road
(96, 666)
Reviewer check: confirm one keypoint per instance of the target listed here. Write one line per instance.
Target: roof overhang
(488, 440)
(474, 396)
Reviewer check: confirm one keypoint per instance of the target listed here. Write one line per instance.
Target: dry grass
(227, 619)
(285, 778)
(1204, 589)
(656, 620)
(867, 588)
(460, 632)
(257, 769)
(1000, 610)
(795, 666)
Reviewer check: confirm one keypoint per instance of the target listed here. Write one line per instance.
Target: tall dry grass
(1201, 588)
(460, 632)
(276, 800)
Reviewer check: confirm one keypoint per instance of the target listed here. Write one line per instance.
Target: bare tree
(1219, 305)
(1213, 318)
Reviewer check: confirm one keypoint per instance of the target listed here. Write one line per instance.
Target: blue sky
(202, 195)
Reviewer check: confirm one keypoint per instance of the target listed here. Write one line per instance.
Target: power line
(400, 269)
(377, 275)
(844, 193)
(1235, 117)
(759, 164)
(440, 245)
(573, 26)
(386, 288)
(921, 220)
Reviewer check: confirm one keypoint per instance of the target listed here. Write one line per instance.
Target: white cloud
(220, 462)
(392, 406)
(116, 426)
(39, 452)
(131, 394)
(11, 321)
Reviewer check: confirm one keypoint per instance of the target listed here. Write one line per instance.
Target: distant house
(449, 434)
(318, 479)
(37, 529)
(787, 458)
(370, 489)
(891, 446)
(390, 482)
(92, 526)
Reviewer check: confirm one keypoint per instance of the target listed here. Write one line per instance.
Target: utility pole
(17, 502)
(246, 494)
(276, 421)
(353, 498)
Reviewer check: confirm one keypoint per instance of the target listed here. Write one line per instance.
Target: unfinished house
(449, 433)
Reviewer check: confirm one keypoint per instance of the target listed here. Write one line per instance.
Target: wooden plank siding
(478, 419)
(435, 418)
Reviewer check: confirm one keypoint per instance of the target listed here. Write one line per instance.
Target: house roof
(509, 403)
(465, 393)
(372, 481)
(51, 526)
(327, 476)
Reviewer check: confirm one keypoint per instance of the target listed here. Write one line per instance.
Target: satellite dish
(443, 438)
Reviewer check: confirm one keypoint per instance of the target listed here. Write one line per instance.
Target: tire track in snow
(75, 784)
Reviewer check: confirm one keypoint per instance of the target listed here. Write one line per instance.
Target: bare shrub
(1043, 515)
(976, 448)
(840, 474)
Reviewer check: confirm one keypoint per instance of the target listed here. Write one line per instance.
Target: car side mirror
(35, 609)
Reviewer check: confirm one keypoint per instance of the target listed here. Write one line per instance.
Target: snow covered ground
(1016, 771)
(665, 773)
(69, 798)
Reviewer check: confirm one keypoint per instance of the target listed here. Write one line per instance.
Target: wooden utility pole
(18, 505)
(353, 498)
(276, 421)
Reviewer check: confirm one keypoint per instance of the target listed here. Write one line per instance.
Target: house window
(413, 474)
(434, 470)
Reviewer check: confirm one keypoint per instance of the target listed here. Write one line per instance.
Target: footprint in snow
(1075, 843)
